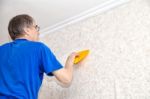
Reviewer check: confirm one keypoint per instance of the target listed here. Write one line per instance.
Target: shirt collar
(20, 39)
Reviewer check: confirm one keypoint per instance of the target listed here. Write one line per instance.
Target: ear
(26, 31)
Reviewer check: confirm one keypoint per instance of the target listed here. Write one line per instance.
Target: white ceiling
(46, 12)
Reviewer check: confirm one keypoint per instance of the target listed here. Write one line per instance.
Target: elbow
(64, 77)
(67, 78)
(67, 81)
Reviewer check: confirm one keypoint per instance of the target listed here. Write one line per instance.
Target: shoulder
(40, 45)
(36, 44)
(6, 45)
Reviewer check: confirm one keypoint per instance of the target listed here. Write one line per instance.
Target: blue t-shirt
(22, 65)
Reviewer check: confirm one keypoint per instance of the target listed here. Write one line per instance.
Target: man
(24, 60)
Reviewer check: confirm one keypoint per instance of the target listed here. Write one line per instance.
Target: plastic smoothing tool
(81, 56)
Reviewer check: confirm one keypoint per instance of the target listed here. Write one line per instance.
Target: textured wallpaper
(118, 66)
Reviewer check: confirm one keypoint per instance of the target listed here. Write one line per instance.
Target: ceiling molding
(93, 11)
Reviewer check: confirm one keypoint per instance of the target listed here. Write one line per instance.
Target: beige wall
(118, 66)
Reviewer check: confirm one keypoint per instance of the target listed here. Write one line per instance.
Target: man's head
(23, 26)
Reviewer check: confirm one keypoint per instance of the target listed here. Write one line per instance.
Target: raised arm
(65, 74)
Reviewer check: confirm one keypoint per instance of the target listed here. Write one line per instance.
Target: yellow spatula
(81, 56)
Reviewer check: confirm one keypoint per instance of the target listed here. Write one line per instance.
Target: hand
(71, 57)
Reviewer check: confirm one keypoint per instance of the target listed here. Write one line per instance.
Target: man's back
(22, 67)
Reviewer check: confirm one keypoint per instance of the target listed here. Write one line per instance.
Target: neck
(24, 37)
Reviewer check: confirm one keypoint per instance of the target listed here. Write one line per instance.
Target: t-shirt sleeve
(49, 62)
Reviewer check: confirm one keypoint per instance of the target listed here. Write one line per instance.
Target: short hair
(17, 24)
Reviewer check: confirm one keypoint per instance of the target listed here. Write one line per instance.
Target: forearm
(69, 68)
(65, 75)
